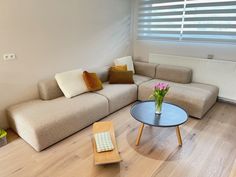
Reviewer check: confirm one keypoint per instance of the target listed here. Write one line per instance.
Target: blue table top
(171, 115)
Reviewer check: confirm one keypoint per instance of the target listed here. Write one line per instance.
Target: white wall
(216, 72)
(142, 48)
(50, 36)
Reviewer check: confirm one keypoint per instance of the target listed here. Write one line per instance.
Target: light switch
(9, 56)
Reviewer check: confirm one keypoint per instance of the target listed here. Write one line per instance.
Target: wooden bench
(101, 158)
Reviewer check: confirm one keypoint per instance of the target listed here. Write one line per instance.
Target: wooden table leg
(179, 136)
(140, 131)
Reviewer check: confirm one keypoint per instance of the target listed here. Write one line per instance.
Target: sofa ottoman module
(43, 123)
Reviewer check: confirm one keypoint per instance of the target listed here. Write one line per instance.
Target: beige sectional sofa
(45, 121)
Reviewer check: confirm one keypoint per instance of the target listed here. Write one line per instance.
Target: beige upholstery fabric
(43, 123)
(174, 73)
(196, 98)
(145, 69)
(119, 95)
(49, 89)
(139, 79)
(101, 72)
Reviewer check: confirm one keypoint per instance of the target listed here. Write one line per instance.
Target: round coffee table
(171, 116)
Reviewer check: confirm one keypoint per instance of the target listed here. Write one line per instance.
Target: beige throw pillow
(71, 83)
(125, 61)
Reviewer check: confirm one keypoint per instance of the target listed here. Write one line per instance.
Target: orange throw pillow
(121, 77)
(92, 81)
(119, 68)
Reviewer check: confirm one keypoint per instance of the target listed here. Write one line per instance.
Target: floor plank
(209, 150)
(233, 170)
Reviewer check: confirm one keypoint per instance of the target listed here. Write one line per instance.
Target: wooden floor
(209, 150)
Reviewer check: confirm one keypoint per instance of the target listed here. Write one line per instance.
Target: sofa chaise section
(43, 123)
(196, 98)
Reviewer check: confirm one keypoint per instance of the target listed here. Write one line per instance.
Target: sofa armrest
(49, 89)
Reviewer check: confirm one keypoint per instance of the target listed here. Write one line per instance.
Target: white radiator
(217, 72)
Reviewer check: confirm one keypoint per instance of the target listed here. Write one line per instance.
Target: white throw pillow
(125, 61)
(71, 83)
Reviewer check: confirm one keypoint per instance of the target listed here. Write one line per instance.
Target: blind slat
(158, 1)
(227, 19)
(221, 11)
(158, 32)
(160, 14)
(215, 33)
(212, 26)
(161, 20)
(199, 23)
(160, 26)
(189, 16)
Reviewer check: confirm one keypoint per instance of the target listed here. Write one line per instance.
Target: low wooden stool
(101, 158)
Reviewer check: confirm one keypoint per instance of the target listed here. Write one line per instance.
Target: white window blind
(195, 20)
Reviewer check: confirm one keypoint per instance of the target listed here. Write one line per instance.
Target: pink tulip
(161, 86)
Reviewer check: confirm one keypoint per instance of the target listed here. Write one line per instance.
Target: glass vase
(158, 104)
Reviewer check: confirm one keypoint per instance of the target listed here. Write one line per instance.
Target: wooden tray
(101, 158)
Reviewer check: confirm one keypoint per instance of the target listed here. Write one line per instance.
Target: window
(182, 20)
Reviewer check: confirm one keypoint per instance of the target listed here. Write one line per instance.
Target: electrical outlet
(9, 56)
(210, 56)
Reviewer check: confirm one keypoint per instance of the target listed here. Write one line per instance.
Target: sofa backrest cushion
(49, 89)
(173, 73)
(145, 69)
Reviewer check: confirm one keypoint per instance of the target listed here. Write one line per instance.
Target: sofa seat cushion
(196, 98)
(43, 123)
(139, 79)
(118, 95)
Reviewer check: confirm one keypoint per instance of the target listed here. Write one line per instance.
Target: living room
(118, 88)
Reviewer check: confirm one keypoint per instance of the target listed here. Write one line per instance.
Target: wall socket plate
(210, 56)
(9, 56)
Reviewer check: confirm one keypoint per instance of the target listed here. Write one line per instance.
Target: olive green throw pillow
(121, 77)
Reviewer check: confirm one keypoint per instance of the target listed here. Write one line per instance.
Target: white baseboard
(225, 100)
